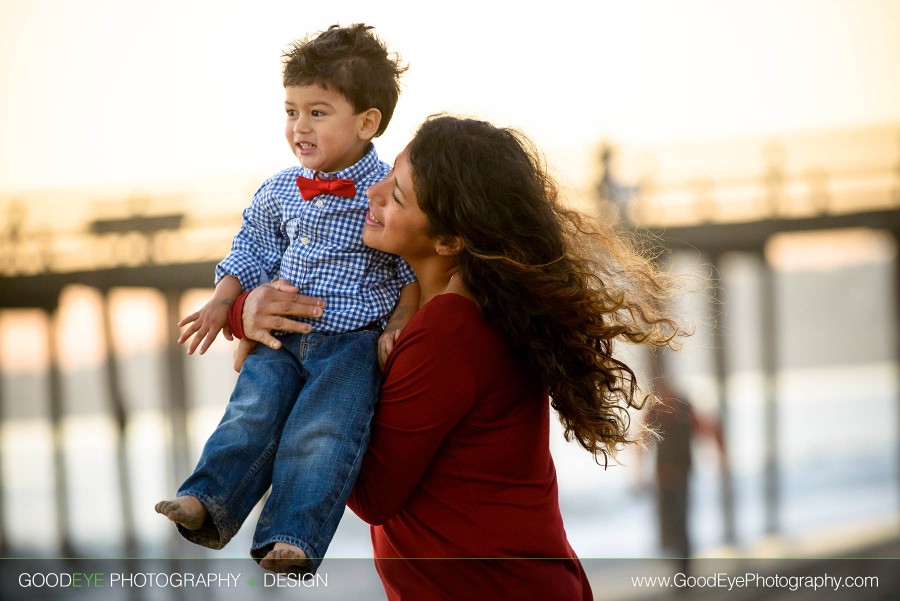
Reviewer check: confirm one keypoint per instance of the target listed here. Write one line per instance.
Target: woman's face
(395, 223)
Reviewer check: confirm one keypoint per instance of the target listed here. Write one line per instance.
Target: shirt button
(320, 203)
(304, 241)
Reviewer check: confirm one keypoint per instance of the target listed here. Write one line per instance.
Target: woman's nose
(375, 192)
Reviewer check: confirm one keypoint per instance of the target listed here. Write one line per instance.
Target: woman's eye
(291, 113)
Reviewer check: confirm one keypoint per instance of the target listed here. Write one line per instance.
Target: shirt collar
(357, 171)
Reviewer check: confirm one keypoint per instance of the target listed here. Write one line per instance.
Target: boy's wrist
(399, 318)
(393, 327)
(224, 299)
(228, 289)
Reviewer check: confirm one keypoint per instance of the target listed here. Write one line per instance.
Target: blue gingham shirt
(317, 246)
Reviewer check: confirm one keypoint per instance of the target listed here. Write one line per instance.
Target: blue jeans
(298, 420)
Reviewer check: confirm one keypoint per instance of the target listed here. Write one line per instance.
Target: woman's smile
(371, 219)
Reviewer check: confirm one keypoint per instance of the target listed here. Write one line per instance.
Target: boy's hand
(243, 351)
(407, 304)
(386, 344)
(205, 324)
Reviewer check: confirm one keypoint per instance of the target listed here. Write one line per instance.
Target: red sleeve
(426, 391)
(236, 315)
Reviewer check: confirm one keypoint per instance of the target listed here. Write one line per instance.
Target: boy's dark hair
(350, 60)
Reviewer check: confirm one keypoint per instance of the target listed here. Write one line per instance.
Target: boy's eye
(394, 196)
(317, 113)
(291, 112)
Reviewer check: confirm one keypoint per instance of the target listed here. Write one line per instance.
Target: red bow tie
(310, 188)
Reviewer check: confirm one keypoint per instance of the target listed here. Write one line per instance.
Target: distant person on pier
(676, 424)
(300, 413)
(610, 189)
(521, 302)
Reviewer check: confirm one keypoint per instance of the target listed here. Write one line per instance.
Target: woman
(521, 301)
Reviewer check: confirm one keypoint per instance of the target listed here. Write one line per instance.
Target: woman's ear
(369, 121)
(450, 245)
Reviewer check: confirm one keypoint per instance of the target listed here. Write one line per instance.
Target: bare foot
(285, 558)
(187, 511)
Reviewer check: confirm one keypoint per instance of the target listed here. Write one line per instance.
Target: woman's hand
(269, 308)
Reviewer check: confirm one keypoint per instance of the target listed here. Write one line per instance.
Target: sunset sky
(102, 92)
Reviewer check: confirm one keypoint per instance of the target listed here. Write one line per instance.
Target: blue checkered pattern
(317, 245)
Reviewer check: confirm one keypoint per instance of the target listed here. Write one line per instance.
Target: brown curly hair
(560, 286)
(349, 60)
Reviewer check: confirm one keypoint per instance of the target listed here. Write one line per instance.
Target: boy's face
(322, 129)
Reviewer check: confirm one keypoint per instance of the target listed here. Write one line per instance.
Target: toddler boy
(299, 416)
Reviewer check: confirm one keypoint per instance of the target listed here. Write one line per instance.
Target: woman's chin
(370, 239)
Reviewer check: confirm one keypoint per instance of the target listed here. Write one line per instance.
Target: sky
(99, 92)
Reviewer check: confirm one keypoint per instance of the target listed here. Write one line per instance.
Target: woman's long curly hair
(561, 287)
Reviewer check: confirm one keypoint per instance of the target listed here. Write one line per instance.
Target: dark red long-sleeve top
(458, 482)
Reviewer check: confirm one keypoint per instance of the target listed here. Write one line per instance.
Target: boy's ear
(369, 121)
(451, 245)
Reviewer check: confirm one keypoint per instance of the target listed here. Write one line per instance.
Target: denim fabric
(298, 420)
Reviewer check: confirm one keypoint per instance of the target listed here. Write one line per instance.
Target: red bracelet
(235, 316)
